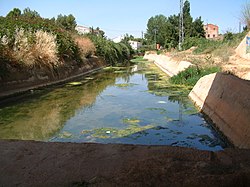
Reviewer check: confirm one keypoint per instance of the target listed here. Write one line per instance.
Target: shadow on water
(44, 113)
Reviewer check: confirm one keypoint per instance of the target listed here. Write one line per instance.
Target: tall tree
(14, 13)
(156, 29)
(187, 19)
(197, 29)
(166, 30)
(67, 22)
(30, 13)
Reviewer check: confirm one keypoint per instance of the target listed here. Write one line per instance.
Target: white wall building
(118, 39)
(135, 44)
(82, 29)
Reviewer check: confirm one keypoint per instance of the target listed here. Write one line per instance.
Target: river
(133, 105)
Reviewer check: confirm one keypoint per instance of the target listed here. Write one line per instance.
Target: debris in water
(161, 102)
(75, 83)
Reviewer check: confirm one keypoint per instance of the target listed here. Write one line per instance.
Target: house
(212, 31)
(83, 29)
(118, 39)
(135, 44)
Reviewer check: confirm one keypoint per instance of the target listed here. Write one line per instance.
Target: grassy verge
(192, 74)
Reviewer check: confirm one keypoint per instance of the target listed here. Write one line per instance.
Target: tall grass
(31, 49)
(223, 48)
(191, 75)
(86, 46)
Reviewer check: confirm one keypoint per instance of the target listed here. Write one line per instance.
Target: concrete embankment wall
(226, 100)
(243, 50)
(21, 79)
(167, 64)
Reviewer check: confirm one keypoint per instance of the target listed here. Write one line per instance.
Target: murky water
(119, 106)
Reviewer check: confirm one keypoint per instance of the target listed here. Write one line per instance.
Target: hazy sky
(117, 17)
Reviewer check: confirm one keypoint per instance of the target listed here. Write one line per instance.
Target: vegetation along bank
(36, 51)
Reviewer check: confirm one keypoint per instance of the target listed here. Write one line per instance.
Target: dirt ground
(234, 64)
(29, 163)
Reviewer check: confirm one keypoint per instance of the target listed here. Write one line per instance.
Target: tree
(67, 22)
(187, 19)
(166, 30)
(245, 14)
(197, 29)
(30, 13)
(100, 32)
(14, 13)
(156, 28)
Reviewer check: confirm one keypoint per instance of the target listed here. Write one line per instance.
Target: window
(208, 35)
(214, 36)
(214, 28)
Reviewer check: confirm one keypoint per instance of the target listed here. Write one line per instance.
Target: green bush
(66, 45)
(112, 53)
(191, 75)
(208, 46)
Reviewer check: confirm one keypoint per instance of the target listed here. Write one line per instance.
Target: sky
(118, 17)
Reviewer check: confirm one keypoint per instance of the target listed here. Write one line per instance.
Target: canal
(134, 105)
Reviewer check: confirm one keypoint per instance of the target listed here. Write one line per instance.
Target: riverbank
(22, 81)
(29, 163)
(215, 96)
(166, 64)
(224, 98)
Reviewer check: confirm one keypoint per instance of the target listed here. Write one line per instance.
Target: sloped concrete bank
(226, 100)
(20, 80)
(166, 64)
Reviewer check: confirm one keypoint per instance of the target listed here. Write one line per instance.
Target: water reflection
(41, 117)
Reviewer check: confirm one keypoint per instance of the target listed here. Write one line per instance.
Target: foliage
(187, 19)
(245, 14)
(86, 46)
(28, 40)
(30, 14)
(113, 53)
(66, 46)
(205, 46)
(38, 48)
(66, 22)
(228, 36)
(14, 13)
(191, 75)
(165, 30)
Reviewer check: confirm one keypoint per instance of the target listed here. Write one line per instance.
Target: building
(82, 29)
(135, 44)
(118, 39)
(212, 31)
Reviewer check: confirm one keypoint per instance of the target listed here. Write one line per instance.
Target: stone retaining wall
(243, 50)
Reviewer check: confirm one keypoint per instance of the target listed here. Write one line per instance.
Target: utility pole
(181, 26)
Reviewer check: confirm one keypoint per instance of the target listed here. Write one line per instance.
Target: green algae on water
(108, 132)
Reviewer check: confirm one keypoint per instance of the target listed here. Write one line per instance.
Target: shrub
(66, 45)
(45, 48)
(86, 46)
(30, 49)
(112, 53)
